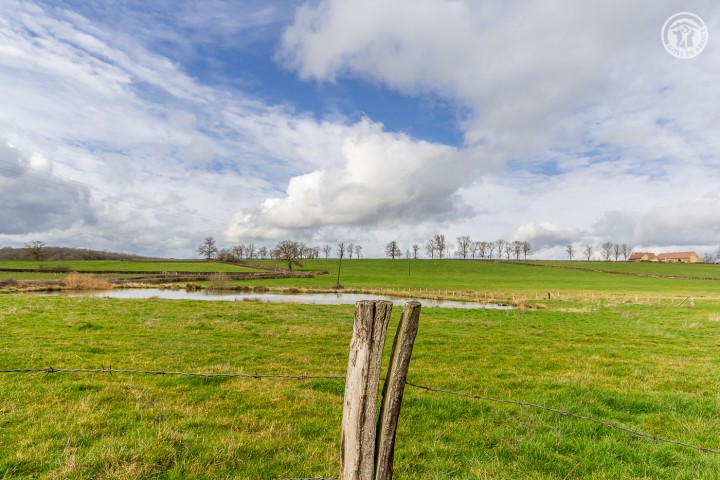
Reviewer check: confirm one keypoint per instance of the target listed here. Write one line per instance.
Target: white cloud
(373, 179)
(695, 222)
(580, 101)
(546, 235)
(34, 200)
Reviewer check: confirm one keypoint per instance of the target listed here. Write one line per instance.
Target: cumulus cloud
(546, 235)
(375, 178)
(522, 67)
(579, 100)
(695, 222)
(33, 199)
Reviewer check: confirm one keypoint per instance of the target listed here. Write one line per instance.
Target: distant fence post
(361, 389)
(392, 394)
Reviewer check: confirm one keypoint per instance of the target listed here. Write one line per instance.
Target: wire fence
(110, 371)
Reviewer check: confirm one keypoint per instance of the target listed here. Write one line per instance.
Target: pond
(304, 298)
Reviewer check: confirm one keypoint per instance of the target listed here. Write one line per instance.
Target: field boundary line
(565, 414)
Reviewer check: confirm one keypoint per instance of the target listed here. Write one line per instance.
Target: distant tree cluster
(438, 248)
(608, 251)
(38, 251)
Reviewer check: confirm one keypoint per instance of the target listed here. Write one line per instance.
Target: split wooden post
(393, 389)
(361, 389)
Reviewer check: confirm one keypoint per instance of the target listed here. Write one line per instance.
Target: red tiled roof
(675, 255)
(640, 255)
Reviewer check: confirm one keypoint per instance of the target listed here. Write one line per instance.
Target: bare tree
(485, 249)
(263, 252)
(588, 252)
(290, 252)
(626, 251)
(309, 252)
(208, 249)
(464, 245)
(607, 250)
(415, 250)
(527, 249)
(350, 250)
(358, 251)
(508, 250)
(473, 249)
(440, 244)
(237, 251)
(517, 248)
(327, 249)
(617, 250)
(430, 248)
(392, 250)
(36, 249)
(250, 250)
(227, 255)
(570, 251)
(500, 244)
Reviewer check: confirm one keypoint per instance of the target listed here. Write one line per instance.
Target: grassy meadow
(499, 279)
(646, 364)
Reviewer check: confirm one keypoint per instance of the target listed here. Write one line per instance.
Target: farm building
(642, 257)
(679, 257)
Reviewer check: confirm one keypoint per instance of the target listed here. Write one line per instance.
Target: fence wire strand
(110, 370)
(565, 414)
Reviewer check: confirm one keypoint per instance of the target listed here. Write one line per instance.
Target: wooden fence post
(393, 389)
(361, 389)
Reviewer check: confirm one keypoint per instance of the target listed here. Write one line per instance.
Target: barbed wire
(110, 370)
(566, 414)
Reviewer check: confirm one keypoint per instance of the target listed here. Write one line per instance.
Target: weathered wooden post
(361, 389)
(393, 389)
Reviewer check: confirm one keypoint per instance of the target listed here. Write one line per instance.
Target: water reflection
(303, 298)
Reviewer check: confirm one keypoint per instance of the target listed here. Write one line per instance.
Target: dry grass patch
(78, 281)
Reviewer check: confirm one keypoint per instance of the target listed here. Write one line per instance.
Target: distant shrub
(77, 281)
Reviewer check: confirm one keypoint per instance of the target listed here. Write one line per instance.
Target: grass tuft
(79, 281)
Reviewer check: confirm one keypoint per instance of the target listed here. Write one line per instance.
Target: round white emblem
(684, 35)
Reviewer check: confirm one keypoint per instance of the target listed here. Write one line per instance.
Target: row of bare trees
(608, 250)
(286, 251)
(438, 248)
(348, 249)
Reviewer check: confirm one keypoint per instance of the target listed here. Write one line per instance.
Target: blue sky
(145, 126)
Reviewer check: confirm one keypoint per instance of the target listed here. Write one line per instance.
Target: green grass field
(500, 279)
(650, 268)
(646, 365)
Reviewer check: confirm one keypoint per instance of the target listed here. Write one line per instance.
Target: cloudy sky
(145, 126)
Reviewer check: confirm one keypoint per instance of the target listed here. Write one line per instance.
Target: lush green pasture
(129, 266)
(435, 278)
(650, 268)
(505, 279)
(651, 368)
